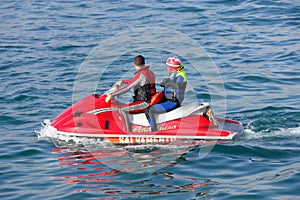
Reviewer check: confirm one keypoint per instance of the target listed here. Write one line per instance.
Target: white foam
(49, 132)
(45, 131)
(250, 133)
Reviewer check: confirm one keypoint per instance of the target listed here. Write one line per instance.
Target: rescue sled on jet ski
(93, 117)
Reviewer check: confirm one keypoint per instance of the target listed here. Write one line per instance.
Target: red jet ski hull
(93, 117)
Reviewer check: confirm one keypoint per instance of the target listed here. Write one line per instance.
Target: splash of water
(288, 133)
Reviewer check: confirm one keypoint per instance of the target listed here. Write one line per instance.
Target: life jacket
(174, 89)
(146, 91)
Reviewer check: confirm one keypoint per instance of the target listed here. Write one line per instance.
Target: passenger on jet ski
(143, 84)
(174, 89)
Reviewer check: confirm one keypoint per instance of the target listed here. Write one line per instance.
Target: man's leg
(131, 107)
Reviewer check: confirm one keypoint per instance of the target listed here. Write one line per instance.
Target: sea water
(243, 58)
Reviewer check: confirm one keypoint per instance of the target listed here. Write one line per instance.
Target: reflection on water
(127, 158)
(100, 170)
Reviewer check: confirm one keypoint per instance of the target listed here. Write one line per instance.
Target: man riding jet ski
(143, 84)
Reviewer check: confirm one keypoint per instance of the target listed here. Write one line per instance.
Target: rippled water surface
(254, 45)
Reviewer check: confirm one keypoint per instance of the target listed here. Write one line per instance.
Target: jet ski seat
(181, 112)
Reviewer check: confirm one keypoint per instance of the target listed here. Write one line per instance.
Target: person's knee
(149, 111)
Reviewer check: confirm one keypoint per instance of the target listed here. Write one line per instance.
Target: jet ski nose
(77, 113)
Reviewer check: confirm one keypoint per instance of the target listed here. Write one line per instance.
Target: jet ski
(92, 117)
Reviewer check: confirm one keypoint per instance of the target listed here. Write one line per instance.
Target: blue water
(254, 47)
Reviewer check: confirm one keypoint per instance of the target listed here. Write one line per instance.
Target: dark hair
(139, 60)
